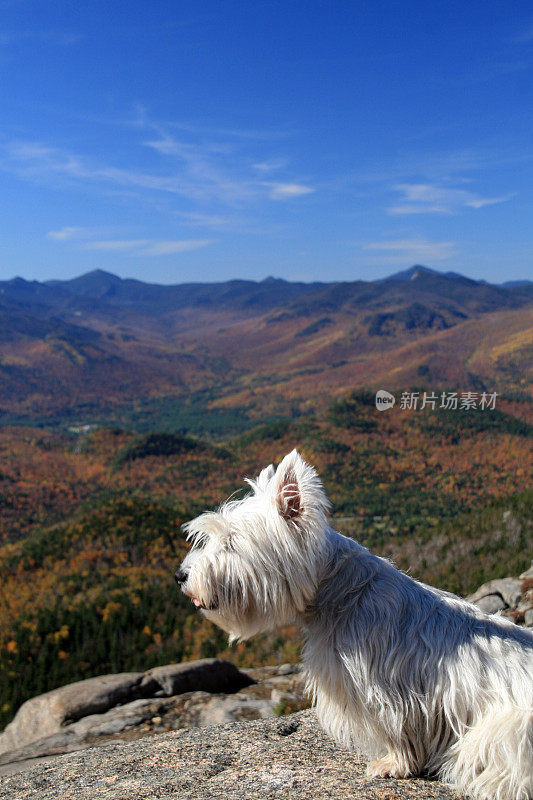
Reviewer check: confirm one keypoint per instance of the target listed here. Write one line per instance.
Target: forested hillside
(218, 359)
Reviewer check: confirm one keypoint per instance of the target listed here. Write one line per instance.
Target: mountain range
(95, 347)
(102, 291)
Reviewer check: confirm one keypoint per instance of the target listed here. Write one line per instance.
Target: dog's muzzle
(181, 576)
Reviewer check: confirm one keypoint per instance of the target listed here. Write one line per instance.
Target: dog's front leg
(393, 765)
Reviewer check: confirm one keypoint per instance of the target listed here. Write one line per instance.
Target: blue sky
(173, 141)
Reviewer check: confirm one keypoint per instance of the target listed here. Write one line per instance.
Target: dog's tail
(494, 758)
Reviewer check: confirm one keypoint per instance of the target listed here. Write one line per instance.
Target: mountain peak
(419, 272)
(96, 283)
(98, 275)
(272, 279)
(18, 281)
(413, 273)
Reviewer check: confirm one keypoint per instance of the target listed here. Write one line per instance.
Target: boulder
(58, 711)
(205, 675)
(509, 590)
(491, 603)
(87, 729)
(115, 720)
(46, 714)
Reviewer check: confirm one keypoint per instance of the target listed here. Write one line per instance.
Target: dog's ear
(261, 484)
(264, 477)
(288, 496)
(297, 489)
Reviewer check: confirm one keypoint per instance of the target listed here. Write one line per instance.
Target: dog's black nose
(181, 576)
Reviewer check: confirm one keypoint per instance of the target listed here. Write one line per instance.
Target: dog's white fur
(421, 680)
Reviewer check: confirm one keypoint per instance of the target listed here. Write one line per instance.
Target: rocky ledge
(132, 705)
(288, 757)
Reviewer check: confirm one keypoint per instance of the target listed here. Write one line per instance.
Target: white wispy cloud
(413, 250)
(67, 232)
(428, 198)
(212, 221)
(286, 191)
(91, 239)
(270, 165)
(148, 247)
(480, 202)
(201, 172)
(166, 247)
(166, 146)
(38, 162)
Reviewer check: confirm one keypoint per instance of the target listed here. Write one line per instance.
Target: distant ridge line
(99, 277)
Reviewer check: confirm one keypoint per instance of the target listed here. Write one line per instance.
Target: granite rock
(287, 759)
(46, 714)
(111, 703)
(509, 590)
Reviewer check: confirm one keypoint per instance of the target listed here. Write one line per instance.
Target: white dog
(420, 679)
